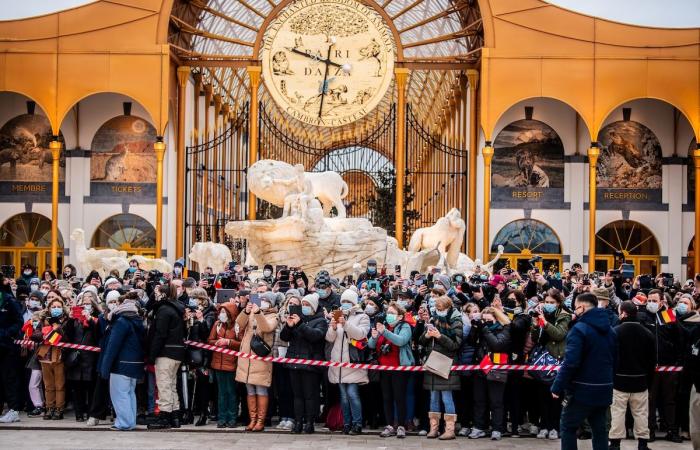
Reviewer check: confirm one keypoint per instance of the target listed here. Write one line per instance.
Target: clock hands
(316, 58)
(325, 77)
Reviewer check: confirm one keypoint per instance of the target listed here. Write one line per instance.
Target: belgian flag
(499, 358)
(667, 316)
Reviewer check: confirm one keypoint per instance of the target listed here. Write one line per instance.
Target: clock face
(327, 62)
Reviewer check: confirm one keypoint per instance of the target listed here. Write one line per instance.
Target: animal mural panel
(24, 150)
(528, 154)
(630, 157)
(122, 152)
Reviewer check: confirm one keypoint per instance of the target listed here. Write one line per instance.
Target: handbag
(540, 356)
(258, 344)
(438, 364)
(195, 357)
(357, 351)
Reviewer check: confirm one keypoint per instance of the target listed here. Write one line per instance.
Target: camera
(535, 259)
(385, 348)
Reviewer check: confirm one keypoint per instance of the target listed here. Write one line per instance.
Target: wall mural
(123, 161)
(24, 149)
(528, 166)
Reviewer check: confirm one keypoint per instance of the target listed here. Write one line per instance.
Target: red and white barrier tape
(347, 365)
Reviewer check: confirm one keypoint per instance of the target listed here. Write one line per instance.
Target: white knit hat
(312, 299)
(91, 288)
(112, 296)
(349, 295)
(112, 280)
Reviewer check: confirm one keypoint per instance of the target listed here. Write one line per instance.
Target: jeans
(350, 403)
(254, 389)
(122, 389)
(573, 414)
(228, 400)
(446, 396)
(151, 380)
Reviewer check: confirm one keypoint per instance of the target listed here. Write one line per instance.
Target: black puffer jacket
(493, 341)
(84, 363)
(668, 339)
(306, 340)
(448, 344)
(167, 331)
(636, 357)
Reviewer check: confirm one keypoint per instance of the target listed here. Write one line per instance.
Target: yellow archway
(627, 241)
(26, 239)
(128, 232)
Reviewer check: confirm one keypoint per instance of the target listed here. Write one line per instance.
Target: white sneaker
(524, 429)
(10, 417)
(496, 436)
(92, 422)
(553, 435)
(464, 431)
(534, 430)
(477, 434)
(542, 434)
(281, 425)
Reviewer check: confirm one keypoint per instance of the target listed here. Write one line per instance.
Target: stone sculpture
(446, 235)
(282, 184)
(211, 254)
(89, 259)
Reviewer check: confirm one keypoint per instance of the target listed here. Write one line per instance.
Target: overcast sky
(662, 13)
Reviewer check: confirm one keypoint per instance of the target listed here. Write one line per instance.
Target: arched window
(629, 241)
(522, 240)
(127, 232)
(26, 239)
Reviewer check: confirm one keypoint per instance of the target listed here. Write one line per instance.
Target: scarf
(127, 306)
(444, 324)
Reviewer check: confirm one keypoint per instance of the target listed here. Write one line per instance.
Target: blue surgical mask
(192, 303)
(681, 308)
(306, 310)
(370, 270)
(532, 303)
(567, 302)
(132, 269)
(403, 303)
(391, 319)
(345, 306)
(34, 304)
(431, 302)
(56, 312)
(549, 308)
(323, 293)
(88, 308)
(441, 313)
(370, 310)
(35, 323)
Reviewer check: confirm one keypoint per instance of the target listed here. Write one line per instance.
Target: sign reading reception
(629, 167)
(528, 167)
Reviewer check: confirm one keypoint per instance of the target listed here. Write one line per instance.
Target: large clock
(327, 62)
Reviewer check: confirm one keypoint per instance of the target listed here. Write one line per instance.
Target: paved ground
(67, 434)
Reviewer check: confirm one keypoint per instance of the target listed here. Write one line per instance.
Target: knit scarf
(444, 324)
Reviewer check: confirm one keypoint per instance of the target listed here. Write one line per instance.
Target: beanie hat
(496, 280)
(312, 299)
(601, 293)
(640, 299)
(91, 288)
(349, 295)
(292, 293)
(269, 297)
(112, 280)
(38, 295)
(112, 295)
(443, 280)
(372, 262)
(323, 279)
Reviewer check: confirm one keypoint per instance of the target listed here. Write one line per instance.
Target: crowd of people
(145, 372)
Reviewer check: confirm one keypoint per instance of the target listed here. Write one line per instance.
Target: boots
(262, 412)
(175, 419)
(162, 421)
(449, 433)
(202, 420)
(614, 444)
(434, 424)
(252, 412)
(642, 444)
(48, 413)
(57, 414)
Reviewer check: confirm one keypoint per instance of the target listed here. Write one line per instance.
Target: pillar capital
(254, 74)
(473, 77)
(208, 92)
(183, 73)
(401, 74)
(593, 153)
(487, 153)
(696, 157)
(55, 146)
(159, 148)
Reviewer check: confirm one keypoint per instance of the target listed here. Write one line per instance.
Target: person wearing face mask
(348, 334)
(28, 273)
(370, 273)
(268, 275)
(223, 334)
(371, 393)
(34, 303)
(260, 321)
(50, 357)
(443, 334)
(166, 336)
(470, 341)
(36, 394)
(493, 329)
(306, 336)
(99, 403)
(586, 373)
(661, 321)
(69, 271)
(391, 341)
(34, 285)
(606, 305)
(83, 329)
(178, 268)
(633, 373)
(549, 329)
(122, 361)
(327, 299)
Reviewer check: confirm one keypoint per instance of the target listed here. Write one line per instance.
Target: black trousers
(488, 397)
(100, 399)
(394, 391)
(662, 395)
(82, 392)
(513, 400)
(201, 392)
(464, 400)
(282, 392)
(550, 407)
(306, 389)
(9, 379)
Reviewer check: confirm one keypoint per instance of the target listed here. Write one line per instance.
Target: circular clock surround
(327, 62)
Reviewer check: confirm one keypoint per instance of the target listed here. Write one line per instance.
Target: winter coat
(306, 340)
(448, 345)
(85, 333)
(589, 361)
(691, 333)
(553, 335)
(221, 361)
(123, 349)
(10, 322)
(400, 337)
(668, 339)
(356, 327)
(636, 361)
(519, 328)
(264, 323)
(167, 332)
(490, 342)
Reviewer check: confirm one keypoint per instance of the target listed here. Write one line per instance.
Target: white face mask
(264, 305)
(111, 306)
(223, 317)
(652, 307)
(267, 273)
